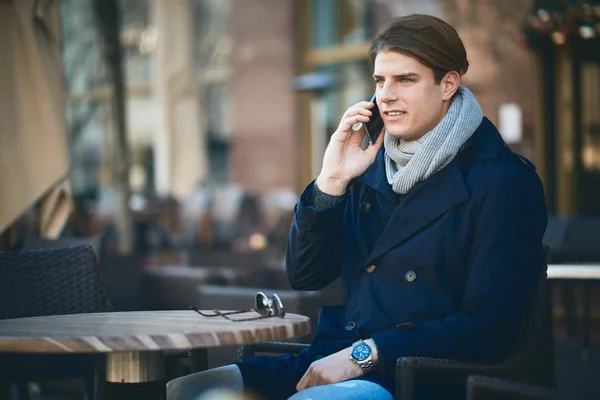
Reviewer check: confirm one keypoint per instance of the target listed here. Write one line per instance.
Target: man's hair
(428, 39)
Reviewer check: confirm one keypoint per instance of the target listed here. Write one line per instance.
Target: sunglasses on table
(266, 307)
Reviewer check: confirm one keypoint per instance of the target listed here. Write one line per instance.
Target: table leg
(569, 309)
(135, 375)
(587, 327)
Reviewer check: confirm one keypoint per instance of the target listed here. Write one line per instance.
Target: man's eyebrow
(401, 76)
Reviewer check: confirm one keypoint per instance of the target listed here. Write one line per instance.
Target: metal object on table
(135, 375)
(134, 366)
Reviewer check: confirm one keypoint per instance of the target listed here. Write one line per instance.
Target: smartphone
(375, 124)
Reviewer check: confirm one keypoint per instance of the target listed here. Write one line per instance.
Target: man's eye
(406, 80)
(379, 82)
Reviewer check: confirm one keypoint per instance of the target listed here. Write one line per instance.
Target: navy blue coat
(447, 270)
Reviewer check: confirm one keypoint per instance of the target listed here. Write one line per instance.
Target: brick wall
(263, 153)
(500, 70)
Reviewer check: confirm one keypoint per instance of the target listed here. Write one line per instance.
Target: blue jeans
(347, 390)
(202, 386)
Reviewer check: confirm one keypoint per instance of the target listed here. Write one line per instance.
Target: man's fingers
(355, 115)
(303, 382)
(347, 123)
(321, 379)
(374, 148)
(359, 118)
(307, 378)
(362, 104)
(357, 111)
(315, 378)
(357, 126)
(381, 137)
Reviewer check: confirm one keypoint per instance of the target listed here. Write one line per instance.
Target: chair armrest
(484, 387)
(438, 369)
(247, 351)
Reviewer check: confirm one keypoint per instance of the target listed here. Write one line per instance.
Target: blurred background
(176, 135)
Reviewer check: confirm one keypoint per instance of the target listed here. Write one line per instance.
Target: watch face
(361, 352)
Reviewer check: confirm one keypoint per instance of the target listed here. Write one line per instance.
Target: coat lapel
(427, 201)
(375, 177)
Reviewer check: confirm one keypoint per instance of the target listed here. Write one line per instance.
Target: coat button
(370, 268)
(365, 206)
(410, 276)
(350, 325)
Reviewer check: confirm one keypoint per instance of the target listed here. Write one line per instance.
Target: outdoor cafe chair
(58, 281)
(480, 387)
(532, 362)
(50, 282)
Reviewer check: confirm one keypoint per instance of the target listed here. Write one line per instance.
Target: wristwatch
(361, 354)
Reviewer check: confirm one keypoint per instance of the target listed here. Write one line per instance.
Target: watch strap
(367, 366)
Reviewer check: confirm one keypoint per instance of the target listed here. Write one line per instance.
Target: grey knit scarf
(407, 163)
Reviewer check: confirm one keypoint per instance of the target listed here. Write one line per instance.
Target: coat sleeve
(505, 265)
(313, 248)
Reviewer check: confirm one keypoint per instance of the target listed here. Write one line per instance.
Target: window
(213, 53)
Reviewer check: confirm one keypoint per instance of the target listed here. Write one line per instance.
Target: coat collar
(431, 198)
(376, 178)
(486, 141)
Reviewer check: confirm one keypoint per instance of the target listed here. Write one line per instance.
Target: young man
(436, 231)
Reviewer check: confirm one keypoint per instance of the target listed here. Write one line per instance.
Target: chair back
(582, 240)
(51, 282)
(533, 360)
(554, 237)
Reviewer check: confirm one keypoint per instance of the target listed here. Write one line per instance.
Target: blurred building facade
(565, 38)
(247, 92)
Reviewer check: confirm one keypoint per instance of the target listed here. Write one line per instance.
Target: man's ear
(449, 84)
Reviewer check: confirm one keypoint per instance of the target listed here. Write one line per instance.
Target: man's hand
(344, 159)
(334, 368)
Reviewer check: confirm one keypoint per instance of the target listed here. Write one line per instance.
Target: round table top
(141, 331)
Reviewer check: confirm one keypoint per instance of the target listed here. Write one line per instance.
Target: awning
(34, 156)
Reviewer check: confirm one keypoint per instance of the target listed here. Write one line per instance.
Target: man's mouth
(394, 113)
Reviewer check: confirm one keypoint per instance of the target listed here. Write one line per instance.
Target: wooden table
(133, 341)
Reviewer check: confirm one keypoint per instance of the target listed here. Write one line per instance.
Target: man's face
(410, 101)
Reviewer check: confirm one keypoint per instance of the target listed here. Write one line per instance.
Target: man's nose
(387, 94)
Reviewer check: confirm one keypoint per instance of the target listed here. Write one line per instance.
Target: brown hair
(429, 39)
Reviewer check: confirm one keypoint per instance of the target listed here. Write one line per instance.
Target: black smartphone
(375, 124)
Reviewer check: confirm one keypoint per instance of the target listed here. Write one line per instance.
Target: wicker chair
(532, 362)
(55, 281)
(481, 387)
(51, 282)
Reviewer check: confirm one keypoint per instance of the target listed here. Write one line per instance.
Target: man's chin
(405, 134)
